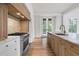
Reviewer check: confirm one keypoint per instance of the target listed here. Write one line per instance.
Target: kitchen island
(64, 45)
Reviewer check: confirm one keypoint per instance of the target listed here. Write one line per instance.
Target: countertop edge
(67, 39)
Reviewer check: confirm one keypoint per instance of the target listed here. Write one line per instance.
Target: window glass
(49, 25)
(44, 26)
(73, 25)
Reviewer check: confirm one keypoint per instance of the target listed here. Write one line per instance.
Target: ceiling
(51, 7)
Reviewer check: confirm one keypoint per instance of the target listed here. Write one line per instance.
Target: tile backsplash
(13, 24)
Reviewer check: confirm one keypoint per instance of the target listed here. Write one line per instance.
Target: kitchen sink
(60, 34)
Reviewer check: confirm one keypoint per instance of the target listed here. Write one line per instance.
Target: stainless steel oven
(25, 41)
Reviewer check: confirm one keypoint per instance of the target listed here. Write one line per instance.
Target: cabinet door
(24, 26)
(74, 51)
(56, 45)
(65, 46)
(22, 8)
(12, 48)
(3, 50)
(3, 21)
(49, 40)
(9, 48)
(52, 43)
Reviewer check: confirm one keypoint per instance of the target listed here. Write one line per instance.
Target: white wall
(37, 25)
(38, 21)
(71, 14)
(31, 23)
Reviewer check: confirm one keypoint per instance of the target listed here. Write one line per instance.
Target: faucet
(62, 28)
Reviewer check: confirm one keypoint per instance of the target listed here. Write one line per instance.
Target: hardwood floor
(36, 49)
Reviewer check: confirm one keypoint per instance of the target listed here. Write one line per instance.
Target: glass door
(48, 25)
(44, 26)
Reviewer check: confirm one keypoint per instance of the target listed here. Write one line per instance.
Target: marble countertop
(72, 37)
(9, 38)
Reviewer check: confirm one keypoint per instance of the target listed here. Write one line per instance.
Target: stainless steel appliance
(24, 40)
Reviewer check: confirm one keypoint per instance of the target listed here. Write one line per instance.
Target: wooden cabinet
(74, 49)
(13, 9)
(18, 10)
(49, 40)
(52, 43)
(3, 21)
(62, 47)
(22, 8)
(24, 26)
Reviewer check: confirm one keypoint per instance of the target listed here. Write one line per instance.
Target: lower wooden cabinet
(62, 47)
(65, 48)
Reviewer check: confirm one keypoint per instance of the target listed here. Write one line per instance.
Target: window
(48, 25)
(73, 25)
(44, 26)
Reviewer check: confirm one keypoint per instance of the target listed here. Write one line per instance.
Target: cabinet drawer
(12, 52)
(9, 48)
(73, 53)
(11, 43)
(75, 47)
(3, 50)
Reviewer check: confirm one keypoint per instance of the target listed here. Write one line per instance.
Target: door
(48, 25)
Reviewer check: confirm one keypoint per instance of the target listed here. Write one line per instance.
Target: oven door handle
(25, 39)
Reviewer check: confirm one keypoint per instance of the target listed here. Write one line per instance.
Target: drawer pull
(72, 47)
(14, 41)
(15, 49)
(6, 45)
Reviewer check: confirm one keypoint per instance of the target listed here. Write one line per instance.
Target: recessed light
(18, 13)
(22, 16)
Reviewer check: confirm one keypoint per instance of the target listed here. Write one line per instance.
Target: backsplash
(13, 24)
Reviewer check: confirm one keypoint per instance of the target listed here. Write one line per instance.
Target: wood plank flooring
(36, 49)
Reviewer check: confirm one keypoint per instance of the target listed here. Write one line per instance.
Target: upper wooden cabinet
(12, 9)
(22, 8)
(18, 10)
(3, 21)
(24, 26)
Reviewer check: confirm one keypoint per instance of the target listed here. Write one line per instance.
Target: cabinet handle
(72, 47)
(6, 45)
(14, 41)
(15, 49)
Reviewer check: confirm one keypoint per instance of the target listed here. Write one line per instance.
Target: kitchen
(39, 29)
(14, 29)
